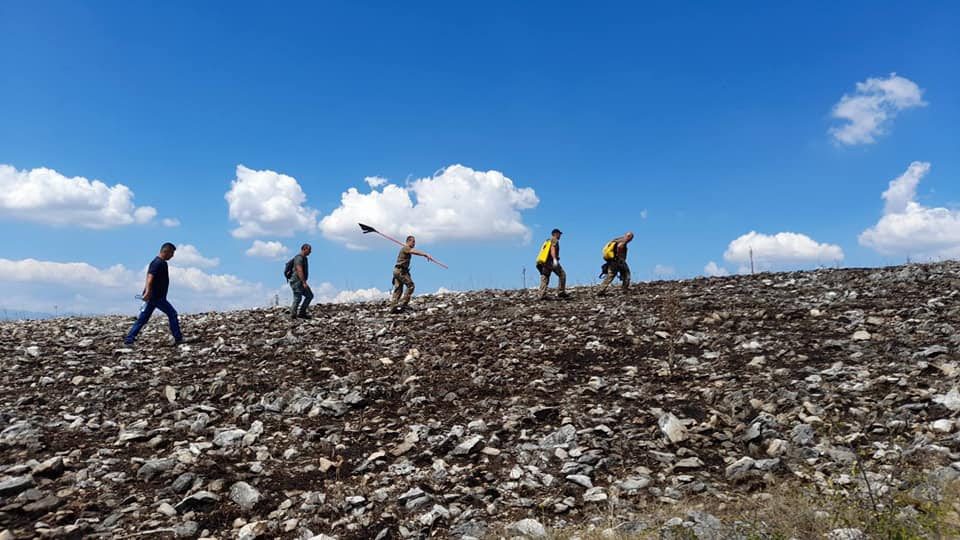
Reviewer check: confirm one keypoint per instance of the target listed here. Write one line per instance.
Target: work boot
(304, 315)
(563, 295)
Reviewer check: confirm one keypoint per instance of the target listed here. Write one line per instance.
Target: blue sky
(708, 120)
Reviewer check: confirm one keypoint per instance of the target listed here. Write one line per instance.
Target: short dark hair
(168, 245)
(409, 238)
(305, 246)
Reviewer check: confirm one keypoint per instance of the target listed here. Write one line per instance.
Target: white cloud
(327, 293)
(266, 203)
(872, 107)
(780, 249)
(76, 273)
(663, 271)
(46, 196)
(188, 255)
(712, 269)
(215, 285)
(267, 250)
(375, 181)
(83, 288)
(458, 203)
(643, 214)
(444, 290)
(170, 222)
(909, 228)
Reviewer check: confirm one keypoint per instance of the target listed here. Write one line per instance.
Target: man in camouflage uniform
(552, 266)
(401, 275)
(617, 265)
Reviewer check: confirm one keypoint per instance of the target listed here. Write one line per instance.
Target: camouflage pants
(401, 278)
(615, 267)
(545, 279)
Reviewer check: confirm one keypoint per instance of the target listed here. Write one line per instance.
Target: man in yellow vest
(615, 258)
(548, 262)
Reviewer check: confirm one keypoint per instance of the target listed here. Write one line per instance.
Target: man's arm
(300, 275)
(554, 254)
(147, 287)
(422, 254)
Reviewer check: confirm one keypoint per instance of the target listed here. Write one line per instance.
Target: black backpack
(288, 269)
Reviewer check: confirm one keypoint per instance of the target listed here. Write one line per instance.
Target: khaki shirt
(403, 258)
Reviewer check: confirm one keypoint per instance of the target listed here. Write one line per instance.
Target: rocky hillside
(482, 413)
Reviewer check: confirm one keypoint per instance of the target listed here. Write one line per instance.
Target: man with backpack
(296, 271)
(548, 262)
(615, 262)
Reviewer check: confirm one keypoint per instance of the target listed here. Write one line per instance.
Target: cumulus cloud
(780, 249)
(375, 181)
(868, 112)
(910, 228)
(712, 269)
(327, 293)
(170, 222)
(267, 250)
(663, 271)
(189, 255)
(48, 197)
(267, 203)
(80, 287)
(458, 203)
(77, 273)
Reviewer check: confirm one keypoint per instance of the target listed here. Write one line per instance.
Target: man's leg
(408, 281)
(397, 288)
(297, 296)
(307, 297)
(611, 273)
(544, 283)
(166, 307)
(625, 275)
(146, 310)
(562, 289)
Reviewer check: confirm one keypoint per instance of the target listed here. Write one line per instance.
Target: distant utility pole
(524, 272)
(751, 261)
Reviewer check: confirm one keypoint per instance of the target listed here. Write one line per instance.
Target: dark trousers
(146, 310)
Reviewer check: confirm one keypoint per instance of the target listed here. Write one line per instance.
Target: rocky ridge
(480, 413)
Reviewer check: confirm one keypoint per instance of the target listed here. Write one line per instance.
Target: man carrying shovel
(401, 270)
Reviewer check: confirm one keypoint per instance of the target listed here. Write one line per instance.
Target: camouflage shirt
(403, 258)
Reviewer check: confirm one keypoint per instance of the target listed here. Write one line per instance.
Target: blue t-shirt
(161, 279)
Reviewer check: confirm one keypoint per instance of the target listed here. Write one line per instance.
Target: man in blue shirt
(155, 296)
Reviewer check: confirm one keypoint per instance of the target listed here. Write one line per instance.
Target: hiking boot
(602, 293)
(304, 316)
(563, 295)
